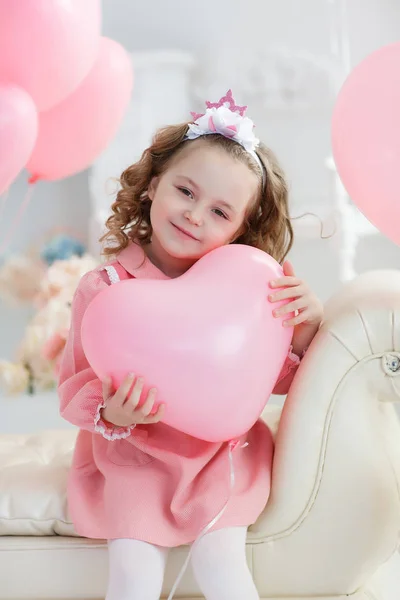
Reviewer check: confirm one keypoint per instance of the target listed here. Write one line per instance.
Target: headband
(227, 119)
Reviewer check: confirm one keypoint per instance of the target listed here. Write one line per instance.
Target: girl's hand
(304, 303)
(122, 410)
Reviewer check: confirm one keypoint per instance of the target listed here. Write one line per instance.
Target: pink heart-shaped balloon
(206, 340)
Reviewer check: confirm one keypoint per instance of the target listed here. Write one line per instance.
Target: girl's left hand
(304, 303)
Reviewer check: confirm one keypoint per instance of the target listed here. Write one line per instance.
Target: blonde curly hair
(267, 225)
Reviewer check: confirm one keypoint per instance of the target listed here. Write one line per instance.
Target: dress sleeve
(287, 373)
(79, 389)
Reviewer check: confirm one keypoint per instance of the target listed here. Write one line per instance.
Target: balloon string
(231, 447)
(3, 202)
(17, 220)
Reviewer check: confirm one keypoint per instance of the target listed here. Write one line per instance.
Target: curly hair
(267, 225)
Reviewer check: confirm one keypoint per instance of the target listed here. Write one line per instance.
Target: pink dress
(151, 483)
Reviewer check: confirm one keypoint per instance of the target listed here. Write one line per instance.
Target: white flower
(226, 122)
(44, 377)
(32, 342)
(14, 377)
(63, 274)
(19, 279)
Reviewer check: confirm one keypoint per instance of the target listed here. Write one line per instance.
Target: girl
(136, 482)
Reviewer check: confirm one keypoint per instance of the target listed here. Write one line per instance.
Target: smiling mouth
(184, 232)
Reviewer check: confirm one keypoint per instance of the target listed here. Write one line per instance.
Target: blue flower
(61, 247)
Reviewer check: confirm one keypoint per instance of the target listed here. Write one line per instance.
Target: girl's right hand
(122, 409)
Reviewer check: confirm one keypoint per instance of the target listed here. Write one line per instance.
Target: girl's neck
(169, 265)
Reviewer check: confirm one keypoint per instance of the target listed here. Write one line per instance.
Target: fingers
(136, 393)
(127, 399)
(301, 317)
(106, 386)
(122, 392)
(157, 415)
(289, 281)
(291, 292)
(288, 268)
(291, 307)
(144, 411)
(148, 404)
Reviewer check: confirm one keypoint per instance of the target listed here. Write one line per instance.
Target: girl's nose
(194, 216)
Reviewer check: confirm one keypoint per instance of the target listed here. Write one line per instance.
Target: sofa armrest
(337, 444)
(336, 476)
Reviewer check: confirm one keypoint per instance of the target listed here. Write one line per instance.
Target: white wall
(214, 24)
(372, 24)
(256, 23)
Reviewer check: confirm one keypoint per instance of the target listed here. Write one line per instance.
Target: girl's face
(200, 202)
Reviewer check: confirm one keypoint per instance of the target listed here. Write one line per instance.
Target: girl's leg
(220, 567)
(136, 570)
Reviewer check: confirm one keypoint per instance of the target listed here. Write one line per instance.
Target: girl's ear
(153, 188)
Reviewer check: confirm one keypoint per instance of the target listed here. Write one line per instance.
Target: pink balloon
(75, 132)
(206, 340)
(366, 140)
(48, 46)
(18, 132)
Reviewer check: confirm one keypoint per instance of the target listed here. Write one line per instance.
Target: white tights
(218, 560)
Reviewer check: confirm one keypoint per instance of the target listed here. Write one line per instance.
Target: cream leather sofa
(331, 528)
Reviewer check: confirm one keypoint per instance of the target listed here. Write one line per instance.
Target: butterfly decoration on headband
(225, 118)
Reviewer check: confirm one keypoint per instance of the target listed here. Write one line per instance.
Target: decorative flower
(14, 377)
(40, 350)
(227, 119)
(62, 247)
(20, 278)
(64, 274)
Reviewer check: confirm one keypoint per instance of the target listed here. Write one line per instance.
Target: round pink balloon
(48, 46)
(75, 132)
(206, 340)
(18, 132)
(366, 140)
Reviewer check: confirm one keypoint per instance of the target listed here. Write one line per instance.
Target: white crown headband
(227, 119)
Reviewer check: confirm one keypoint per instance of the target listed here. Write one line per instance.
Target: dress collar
(134, 260)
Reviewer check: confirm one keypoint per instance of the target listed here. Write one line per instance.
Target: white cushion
(33, 477)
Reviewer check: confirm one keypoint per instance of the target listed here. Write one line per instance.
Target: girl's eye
(186, 192)
(219, 212)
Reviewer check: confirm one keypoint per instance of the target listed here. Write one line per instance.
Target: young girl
(134, 481)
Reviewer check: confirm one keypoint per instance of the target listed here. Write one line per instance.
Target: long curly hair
(267, 225)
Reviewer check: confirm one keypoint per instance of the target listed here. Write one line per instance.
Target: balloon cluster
(63, 87)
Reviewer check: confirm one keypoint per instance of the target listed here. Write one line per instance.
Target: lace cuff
(110, 433)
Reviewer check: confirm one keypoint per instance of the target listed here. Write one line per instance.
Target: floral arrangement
(49, 283)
